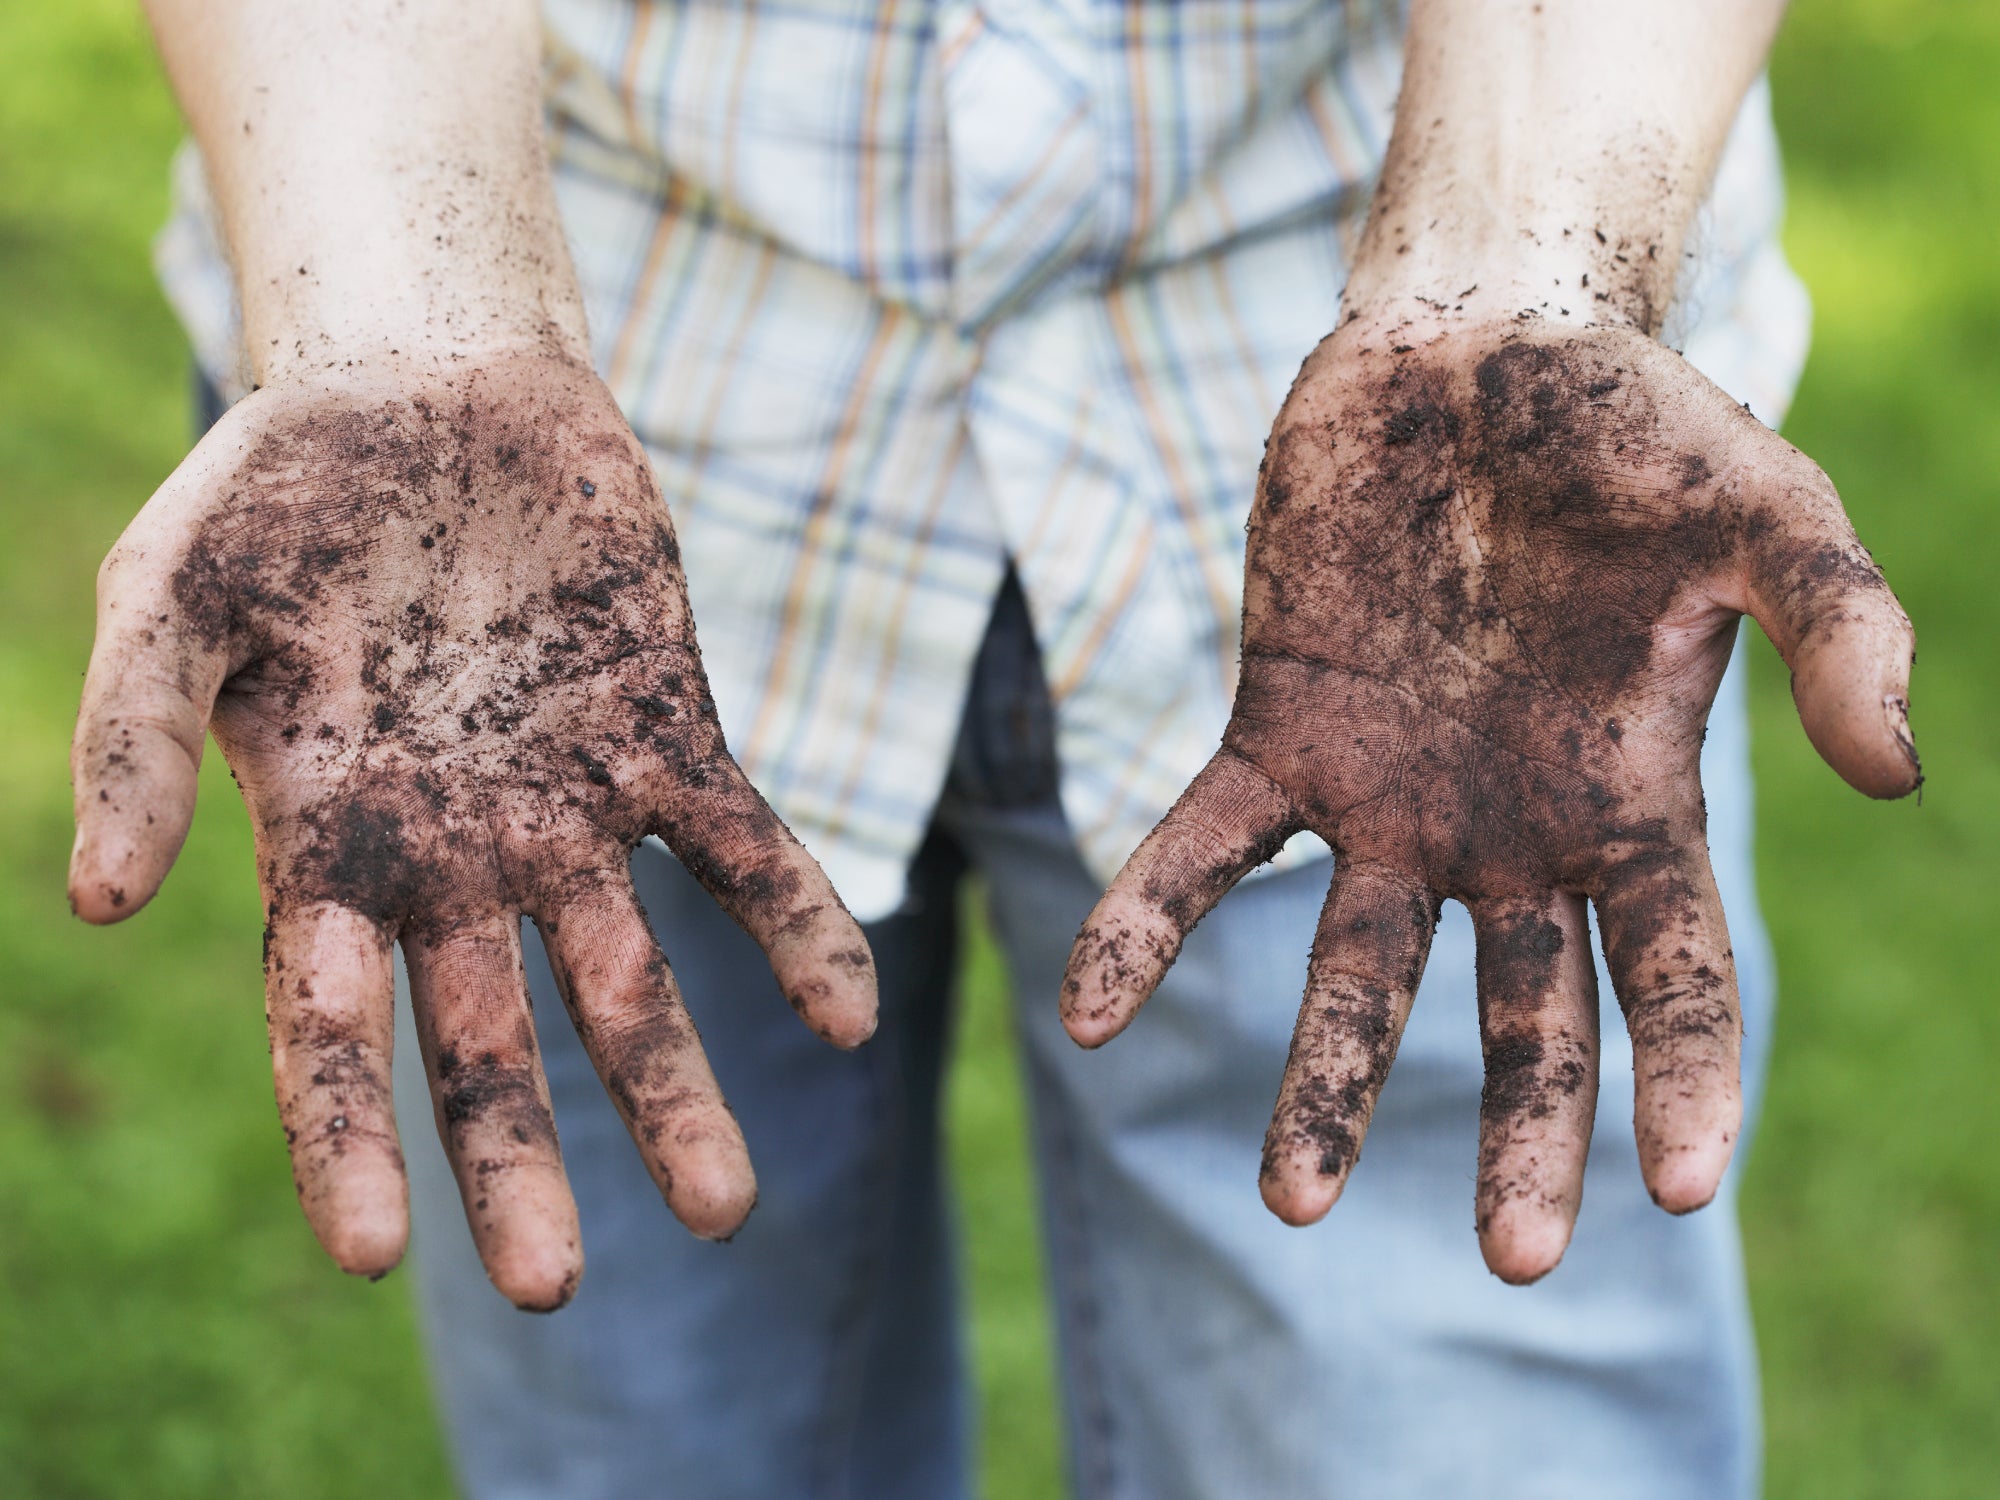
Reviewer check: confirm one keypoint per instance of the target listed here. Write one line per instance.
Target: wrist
(393, 301)
(1577, 274)
(431, 372)
(415, 343)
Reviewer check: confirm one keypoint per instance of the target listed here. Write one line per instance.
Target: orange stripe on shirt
(656, 251)
(724, 369)
(1220, 594)
(1052, 491)
(1330, 135)
(1141, 127)
(1086, 656)
(1225, 298)
(885, 665)
(823, 505)
(954, 49)
(1130, 772)
(1267, 404)
(628, 76)
(871, 109)
(732, 121)
(1027, 180)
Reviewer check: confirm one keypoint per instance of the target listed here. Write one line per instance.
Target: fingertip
(129, 828)
(134, 769)
(370, 1246)
(714, 1200)
(843, 1020)
(1684, 1171)
(1861, 730)
(1684, 1159)
(1232, 818)
(1521, 1246)
(778, 893)
(1118, 960)
(1688, 1179)
(850, 1033)
(1895, 769)
(827, 973)
(1299, 1197)
(533, 1248)
(1896, 714)
(1851, 661)
(100, 903)
(109, 880)
(1091, 1028)
(837, 997)
(702, 1168)
(538, 1277)
(361, 1216)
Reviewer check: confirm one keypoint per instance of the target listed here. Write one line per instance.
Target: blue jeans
(1206, 1349)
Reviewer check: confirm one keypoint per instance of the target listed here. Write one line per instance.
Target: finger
(748, 860)
(628, 1012)
(492, 1104)
(139, 732)
(329, 998)
(1231, 819)
(1538, 1031)
(1667, 946)
(1368, 955)
(1823, 602)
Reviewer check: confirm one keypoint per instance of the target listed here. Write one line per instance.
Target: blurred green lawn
(168, 1327)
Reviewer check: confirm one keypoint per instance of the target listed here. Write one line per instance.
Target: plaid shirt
(896, 290)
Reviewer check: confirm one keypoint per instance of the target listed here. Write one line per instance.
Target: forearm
(1549, 155)
(380, 173)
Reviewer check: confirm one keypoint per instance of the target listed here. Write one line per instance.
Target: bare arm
(381, 176)
(422, 588)
(1500, 545)
(1540, 144)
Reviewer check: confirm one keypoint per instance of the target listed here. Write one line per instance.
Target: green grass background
(168, 1327)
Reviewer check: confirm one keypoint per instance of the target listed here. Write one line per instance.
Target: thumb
(1823, 602)
(146, 701)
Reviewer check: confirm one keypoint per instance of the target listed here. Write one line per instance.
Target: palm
(475, 667)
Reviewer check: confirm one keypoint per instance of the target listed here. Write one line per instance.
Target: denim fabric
(1207, 1351)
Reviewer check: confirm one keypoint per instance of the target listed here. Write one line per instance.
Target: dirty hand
(1494, 575)
(438, 626)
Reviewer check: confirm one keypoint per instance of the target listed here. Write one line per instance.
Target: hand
(440, 625)
(1494, 574)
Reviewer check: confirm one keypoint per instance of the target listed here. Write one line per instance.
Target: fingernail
(75, 862)
(1897, 710)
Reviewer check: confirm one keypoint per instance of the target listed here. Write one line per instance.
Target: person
(947, 335)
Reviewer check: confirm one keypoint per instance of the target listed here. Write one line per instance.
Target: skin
(1501, 541)
(423, 590)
